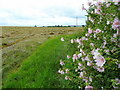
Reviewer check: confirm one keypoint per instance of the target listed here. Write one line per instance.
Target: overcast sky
(41, 12)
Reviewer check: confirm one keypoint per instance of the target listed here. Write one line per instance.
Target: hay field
(20, 42)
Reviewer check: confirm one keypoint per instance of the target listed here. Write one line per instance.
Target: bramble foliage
(96, 64)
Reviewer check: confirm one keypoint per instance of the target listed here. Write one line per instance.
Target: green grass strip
(40, 69)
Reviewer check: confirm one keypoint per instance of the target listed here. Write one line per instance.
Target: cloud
(41, 12)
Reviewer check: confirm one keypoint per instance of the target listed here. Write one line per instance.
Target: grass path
(40, 69)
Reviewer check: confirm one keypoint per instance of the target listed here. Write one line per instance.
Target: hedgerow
(96, 63)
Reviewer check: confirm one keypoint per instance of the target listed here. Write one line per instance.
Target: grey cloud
(63, 11)
(51, 12)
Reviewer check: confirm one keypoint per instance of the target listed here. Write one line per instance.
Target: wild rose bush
(96, 64)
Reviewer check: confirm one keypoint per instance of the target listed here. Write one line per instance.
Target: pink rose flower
(62, 63)
(75, 57)
(98, 10)
(66, 70)
(107, 51)
(92, 44)
(86, 80)
(83, 8)
(81, 74)
(80, 43)
(68, 57)
(67, 78)
(107, 5)
(79, 55)
(87, 34)
(89, 63)
(108, 22)
(98, 3)
(93, 52)
(87, 58)
(72, 41)
(89, 30)
(82, 52)
(77, 40)
(115, 87)
(90, 79)
(78, 46)
(91, 19)
(88, 88)
(80, 64)
(83, 59)
(83, 38)
(97, 31)
(61, 71)
(80, 68)
(76, 70)
(118, 80)
(100, 61)
(62, 39)
(101, 69)
(116, 24)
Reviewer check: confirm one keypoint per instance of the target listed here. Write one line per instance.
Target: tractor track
(17, 41)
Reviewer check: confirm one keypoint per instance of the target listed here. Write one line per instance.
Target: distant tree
(49, 26)
(69, 26)
(35, 26)
(83, 25)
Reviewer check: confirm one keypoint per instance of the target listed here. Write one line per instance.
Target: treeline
(63, 26)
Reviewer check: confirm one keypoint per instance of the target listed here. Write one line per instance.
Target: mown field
(18, 43)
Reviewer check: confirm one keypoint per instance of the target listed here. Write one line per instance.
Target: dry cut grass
(19, 42)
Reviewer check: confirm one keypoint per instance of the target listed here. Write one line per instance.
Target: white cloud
(41, 12)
